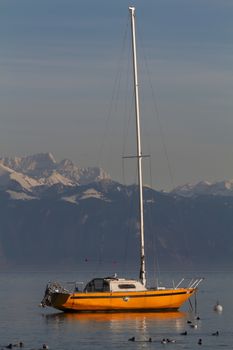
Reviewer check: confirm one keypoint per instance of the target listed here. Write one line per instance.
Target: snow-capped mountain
(37, 165)
(42, 169)
(9, 176)
(220, 188)
(70, 225)
(66, 213)
(82, 176)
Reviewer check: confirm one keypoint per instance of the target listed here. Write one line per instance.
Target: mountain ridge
(99, 222)
(66, 222)
(42, 170)
(218, 188)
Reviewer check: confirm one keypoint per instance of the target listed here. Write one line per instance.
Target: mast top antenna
(132, 8)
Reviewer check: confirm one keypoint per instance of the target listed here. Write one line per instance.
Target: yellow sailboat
(113, 294)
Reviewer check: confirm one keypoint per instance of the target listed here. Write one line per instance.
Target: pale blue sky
(58, 63)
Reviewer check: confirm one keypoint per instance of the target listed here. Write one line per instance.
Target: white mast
(142, 275)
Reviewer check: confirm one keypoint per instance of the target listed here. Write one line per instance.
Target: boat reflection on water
(118, 316)
(138, 320)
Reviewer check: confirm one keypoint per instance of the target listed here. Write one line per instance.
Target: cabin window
(97, 285)
(126, 286)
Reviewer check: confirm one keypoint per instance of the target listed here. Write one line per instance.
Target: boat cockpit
(112, 284)
(97, 285)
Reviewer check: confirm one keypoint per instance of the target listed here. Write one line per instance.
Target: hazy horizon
(59, 61)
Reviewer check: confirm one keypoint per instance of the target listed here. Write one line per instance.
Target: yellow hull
(149, 300)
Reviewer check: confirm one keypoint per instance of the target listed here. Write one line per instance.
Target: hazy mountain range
(36, 173)
(55, 213)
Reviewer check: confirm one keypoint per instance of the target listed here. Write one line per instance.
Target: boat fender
(218, 307)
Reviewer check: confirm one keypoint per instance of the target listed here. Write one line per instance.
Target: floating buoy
(218, 307)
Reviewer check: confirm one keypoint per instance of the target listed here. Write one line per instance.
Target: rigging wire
(112, 109)
(114, 97)
(164, 146)
(125, 138)
(150, 220)
(157, 114)
(156, 267)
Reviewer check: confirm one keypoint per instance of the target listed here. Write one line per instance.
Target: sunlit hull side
(150, 300)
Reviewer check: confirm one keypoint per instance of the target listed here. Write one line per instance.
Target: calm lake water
(23, 320)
